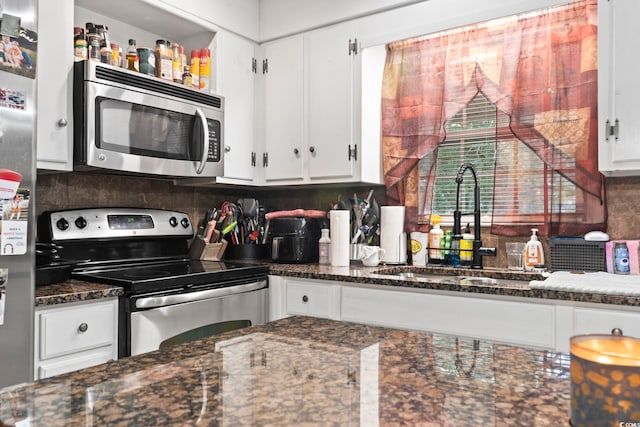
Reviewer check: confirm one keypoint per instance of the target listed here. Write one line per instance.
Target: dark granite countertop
(307, 371)
(429, 277)
(507, 283)
(73, 291)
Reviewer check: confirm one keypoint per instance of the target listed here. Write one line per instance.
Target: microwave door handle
(205, 141)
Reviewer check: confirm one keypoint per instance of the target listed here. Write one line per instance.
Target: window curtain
(539, 68)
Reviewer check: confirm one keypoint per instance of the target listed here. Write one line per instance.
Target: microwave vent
(155, 85)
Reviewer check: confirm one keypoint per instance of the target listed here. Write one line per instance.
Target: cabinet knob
(63, 123)
(296, 151)
(83, 327)
(305, 298)
(227, 148)
(616, 331)
(312, 149)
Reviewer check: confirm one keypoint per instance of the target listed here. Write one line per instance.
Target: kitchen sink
(460, 276)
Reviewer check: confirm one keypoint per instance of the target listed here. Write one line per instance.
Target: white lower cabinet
(599, 321)
(514, 322)
(529, 322)
(73, 336)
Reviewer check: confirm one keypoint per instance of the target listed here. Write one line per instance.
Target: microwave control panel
(214, 140)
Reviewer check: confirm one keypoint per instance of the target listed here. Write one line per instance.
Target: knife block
(207, 251)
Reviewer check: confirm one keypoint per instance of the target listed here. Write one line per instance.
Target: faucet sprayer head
(463, 169)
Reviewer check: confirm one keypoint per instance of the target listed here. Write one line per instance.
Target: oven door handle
(153, 302)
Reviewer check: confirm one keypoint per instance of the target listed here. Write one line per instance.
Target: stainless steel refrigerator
(18, 62)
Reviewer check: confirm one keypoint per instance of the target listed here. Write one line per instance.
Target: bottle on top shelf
(195, 68)
(132, 60)
(205, 69)
(178, 68)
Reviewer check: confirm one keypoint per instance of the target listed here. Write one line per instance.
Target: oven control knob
(62, 224)
(173, 221)
(185, 222)
(80, 222)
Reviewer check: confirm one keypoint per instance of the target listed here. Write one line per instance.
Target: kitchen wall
(74, 190)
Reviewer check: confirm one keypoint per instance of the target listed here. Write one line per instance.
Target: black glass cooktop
(135, 278)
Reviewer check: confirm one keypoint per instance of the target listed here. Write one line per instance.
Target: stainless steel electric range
(145, 251)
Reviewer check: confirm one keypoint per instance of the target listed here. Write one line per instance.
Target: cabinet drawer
(75, 362)
(313, 299)
(596, 321)
(66, 331)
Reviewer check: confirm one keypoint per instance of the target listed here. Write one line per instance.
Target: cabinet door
(54, 85)
(283, 110)
(619, 91)
(511, 322)
(237, 85)
(331, 73)
(599, 321)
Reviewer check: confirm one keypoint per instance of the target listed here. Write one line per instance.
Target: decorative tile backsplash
(76, 190)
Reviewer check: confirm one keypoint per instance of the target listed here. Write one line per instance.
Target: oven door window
(142, 130)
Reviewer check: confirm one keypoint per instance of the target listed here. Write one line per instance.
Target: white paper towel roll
(339, 229)
(392, 237)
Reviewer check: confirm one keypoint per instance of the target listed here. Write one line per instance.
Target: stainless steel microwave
(130, 122)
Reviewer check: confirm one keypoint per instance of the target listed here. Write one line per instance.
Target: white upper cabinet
(311, 108)
(618, 89)
(283, 85)
(332, 72)
(237, 82)
(54, 86)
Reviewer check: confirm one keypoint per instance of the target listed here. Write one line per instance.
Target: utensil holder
(207, 251)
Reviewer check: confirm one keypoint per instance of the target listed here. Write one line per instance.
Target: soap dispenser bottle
(533, 252)
(324, 247)
(435, 235)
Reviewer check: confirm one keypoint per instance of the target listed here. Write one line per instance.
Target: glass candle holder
(605, 380)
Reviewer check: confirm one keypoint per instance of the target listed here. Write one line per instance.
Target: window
(517, 98)
(478, 134)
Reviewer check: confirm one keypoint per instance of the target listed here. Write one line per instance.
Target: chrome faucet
(478, 250)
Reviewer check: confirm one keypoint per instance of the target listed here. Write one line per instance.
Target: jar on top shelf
(164, 61)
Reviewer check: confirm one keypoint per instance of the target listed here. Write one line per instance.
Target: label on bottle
(621, 259)
(165, 66)
(324, 250)
(466, 249)
(434, 246)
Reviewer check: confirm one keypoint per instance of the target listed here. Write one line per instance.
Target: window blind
(479, 134)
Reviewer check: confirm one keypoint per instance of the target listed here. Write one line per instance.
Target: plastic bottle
(324, 246)
(195, 68)
(116, 55)
(133, 62)
(621, 258)
(205, 69)
(178, 68)
(445, 244)
(435, 235)
(187, 80)
(533, 252)
(466, 246)
(454, 253)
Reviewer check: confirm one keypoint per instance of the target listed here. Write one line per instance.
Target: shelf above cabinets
(153, 17)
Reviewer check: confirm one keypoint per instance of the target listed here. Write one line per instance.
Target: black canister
(147, 60)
